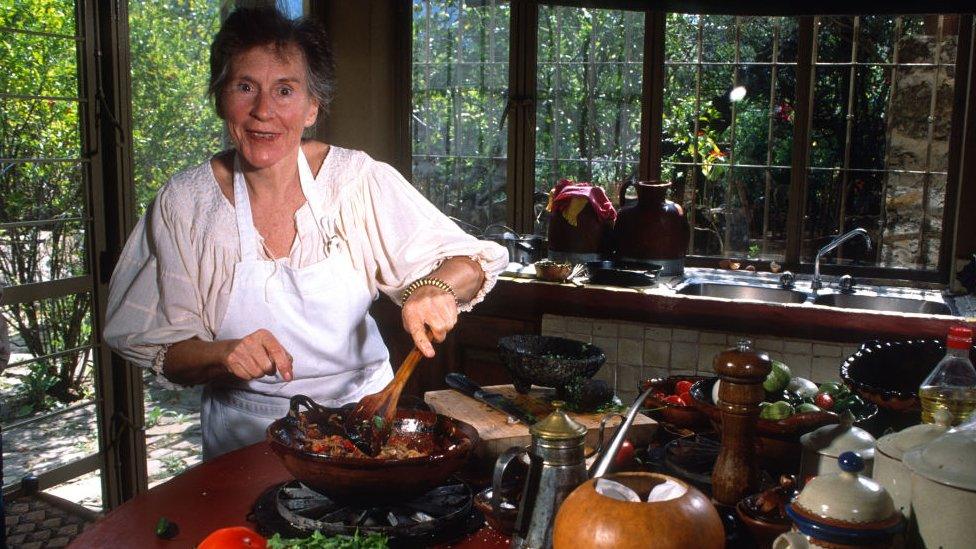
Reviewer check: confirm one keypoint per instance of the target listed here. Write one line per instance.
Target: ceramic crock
(891, 472)
(944, 489)
(652, 230)
(822, 447)
(841, 510)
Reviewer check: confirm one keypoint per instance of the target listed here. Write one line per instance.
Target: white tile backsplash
(638, 351)
(657, 354)
(630, 351)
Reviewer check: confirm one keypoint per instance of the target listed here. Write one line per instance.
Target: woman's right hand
(256, 355)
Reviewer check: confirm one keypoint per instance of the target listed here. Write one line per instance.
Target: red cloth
(566, 190)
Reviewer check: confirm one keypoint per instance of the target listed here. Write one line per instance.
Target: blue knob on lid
(850, 462)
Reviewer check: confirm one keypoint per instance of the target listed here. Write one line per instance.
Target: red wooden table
(212, 495)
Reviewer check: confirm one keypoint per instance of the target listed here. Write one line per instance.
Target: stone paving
(172, 440)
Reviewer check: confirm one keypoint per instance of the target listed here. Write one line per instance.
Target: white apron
(318, 313)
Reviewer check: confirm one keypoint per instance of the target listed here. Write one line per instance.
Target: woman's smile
(266, 105)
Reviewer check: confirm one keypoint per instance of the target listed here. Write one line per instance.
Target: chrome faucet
(816, 284)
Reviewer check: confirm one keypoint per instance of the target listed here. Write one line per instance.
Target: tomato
(625, 455)
(682, 386)
(686, 397)
(659, 395)
(674, 400)
(824, 401)
(233, 537)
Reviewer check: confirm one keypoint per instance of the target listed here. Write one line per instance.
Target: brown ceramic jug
(652, 230)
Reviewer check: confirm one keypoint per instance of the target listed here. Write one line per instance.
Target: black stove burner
(442, 514)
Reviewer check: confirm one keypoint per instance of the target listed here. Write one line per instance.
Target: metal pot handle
(498, 476)
(603, 424)
(301, 400)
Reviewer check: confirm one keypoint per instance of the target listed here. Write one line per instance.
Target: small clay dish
(552, 271)
(688, 416)
(502, 520)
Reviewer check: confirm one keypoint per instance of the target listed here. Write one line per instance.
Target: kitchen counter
(212, 495)
(528, 299)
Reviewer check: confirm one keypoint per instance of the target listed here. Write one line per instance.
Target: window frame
(521, 109)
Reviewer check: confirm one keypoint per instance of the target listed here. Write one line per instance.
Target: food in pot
(318, 440)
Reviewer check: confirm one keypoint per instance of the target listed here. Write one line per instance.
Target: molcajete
(652, 230)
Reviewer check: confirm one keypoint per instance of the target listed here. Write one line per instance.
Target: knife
(461, 383)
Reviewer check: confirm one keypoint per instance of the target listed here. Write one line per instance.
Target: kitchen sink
(735, 291)
(882, 303)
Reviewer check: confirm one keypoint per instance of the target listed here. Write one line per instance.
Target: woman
(253, 272)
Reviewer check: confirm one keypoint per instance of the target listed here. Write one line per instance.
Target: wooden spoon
(368, 425)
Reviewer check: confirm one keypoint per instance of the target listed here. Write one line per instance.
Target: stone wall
(913, 215)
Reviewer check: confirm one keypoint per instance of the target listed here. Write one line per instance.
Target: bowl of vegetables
(671, 401)
(793, 406)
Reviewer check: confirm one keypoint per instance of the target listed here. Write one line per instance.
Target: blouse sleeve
(409, 237)
(153, 298)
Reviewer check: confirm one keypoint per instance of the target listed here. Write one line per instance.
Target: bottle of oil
(951, 386)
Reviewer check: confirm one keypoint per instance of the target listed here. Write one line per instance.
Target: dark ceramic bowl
(888, 373)
(688, 417)
(449, 442)
(548, 361)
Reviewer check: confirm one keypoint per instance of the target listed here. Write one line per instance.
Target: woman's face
(266, 104)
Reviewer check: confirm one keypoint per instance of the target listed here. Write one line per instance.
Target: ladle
(368, 424)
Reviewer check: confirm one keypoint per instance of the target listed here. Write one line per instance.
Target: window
(458, 125)
(778, 133)
(589, 97)
(48, 414)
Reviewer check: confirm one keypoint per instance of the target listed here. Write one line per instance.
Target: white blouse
(174, 278)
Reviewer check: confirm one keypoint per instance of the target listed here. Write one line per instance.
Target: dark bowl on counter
(548, 361)
(367, 479)
(689, 417)
(888, 373)
(778, 441)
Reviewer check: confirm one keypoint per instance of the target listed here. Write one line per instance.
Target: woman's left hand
(431, 307)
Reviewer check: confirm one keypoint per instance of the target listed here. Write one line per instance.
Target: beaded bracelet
(426, 281)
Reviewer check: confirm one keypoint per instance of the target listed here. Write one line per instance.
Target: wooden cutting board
(498, 434)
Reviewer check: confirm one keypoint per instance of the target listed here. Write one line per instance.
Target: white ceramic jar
(944, 489)
(843, 509)
(822, 447)
(889, 470)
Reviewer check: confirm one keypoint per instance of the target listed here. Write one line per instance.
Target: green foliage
(318, 540)
(174, 125)
(49, 196)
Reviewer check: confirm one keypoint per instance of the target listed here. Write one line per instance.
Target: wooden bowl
(689, 417)
(589, 519)
(552, 271)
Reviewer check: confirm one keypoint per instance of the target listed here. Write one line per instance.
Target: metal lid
(558, 425)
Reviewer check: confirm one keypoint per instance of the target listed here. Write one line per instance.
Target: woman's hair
(246, 28)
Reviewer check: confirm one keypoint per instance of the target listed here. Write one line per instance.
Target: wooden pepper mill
(741, 371)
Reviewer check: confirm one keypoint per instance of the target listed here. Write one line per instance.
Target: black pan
(622, 273)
